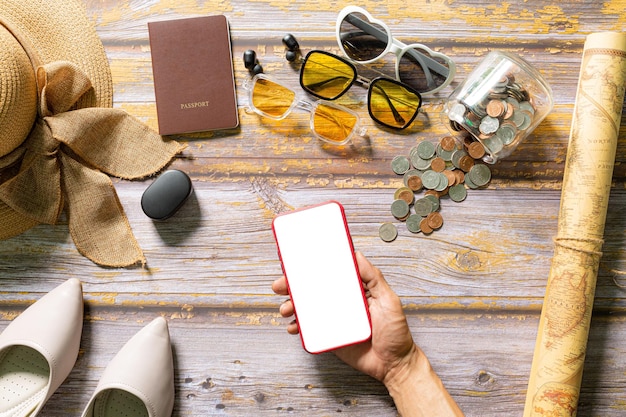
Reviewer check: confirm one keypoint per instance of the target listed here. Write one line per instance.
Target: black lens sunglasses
(324, 75)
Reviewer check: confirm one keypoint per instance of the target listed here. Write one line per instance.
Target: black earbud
(293, 48)
(251, 63)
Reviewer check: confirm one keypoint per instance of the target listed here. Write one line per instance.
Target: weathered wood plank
(242, 363)
(497, 243)
(472, 291)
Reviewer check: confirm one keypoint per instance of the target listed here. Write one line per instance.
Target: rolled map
(559, 356)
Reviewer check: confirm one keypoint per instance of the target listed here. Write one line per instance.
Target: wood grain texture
(472, 291)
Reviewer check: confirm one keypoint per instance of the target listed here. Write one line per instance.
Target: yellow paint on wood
(106, 297)
(615, 9)
(145, 113)
(138, 10)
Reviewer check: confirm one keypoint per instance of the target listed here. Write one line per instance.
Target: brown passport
(192, 67)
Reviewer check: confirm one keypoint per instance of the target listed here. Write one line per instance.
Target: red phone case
(317, 255)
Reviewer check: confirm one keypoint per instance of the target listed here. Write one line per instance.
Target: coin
(460, 176)
(528, 118)
(445, 155)
(425, 150)
(400, 164)
(457, 193)
(457, 113)
(388, 232)
(425, 227)
(411, 172)
(435, 220)
(494, 144)
(527, 105)
(419, 163)
(506, 133)
(455, 126)
(397, 192)
(489, 125)
(456, 157)
(443, 182)
(400, 209)
(430, 179)
(518, 118)
(480, 174)
(512, 102)
(517, 92)
(452, 178)
(509, 111)
(496, 108)
(437, 194)
(413, 223)
(476, 150)
(466, 163)
(472, 120)
(438, 164)
(434, 200)
(470, 183)
(503, 82)
(448, 143)
(404, 193)
(423, 207)
(414, 182)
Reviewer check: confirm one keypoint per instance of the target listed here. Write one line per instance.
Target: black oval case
(166, 194)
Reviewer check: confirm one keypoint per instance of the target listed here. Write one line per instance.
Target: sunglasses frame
(362, 80)
(396, 47)
(339, 58)
(370, 90)
(311, 107)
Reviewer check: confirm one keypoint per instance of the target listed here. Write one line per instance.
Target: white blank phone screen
(318, 261)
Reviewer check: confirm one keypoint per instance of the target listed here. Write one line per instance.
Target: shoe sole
(24, 377)
(116, 403)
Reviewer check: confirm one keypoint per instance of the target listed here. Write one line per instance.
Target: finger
(286, 309)
(280, 286)
(292, 328)
(373, 280)
(367, 271)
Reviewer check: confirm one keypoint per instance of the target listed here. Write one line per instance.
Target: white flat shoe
(139, 380)
(39, 349)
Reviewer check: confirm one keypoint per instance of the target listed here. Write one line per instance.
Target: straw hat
(34, 33)
(59, 137)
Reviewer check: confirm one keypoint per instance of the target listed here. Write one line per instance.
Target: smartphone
(317, 256)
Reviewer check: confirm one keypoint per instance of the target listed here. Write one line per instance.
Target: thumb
(371, 276)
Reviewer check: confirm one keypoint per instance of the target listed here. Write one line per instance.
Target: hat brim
(59, 30)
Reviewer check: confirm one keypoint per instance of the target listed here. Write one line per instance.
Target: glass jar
(500, 103)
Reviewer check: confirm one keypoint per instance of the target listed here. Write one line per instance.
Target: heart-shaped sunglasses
(364, 39)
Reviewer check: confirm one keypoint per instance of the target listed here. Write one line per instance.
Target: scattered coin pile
(445, 169)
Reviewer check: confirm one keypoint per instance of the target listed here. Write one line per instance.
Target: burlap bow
(63, 163)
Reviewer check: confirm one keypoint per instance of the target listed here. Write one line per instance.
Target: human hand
(390, 355)
(391, 346)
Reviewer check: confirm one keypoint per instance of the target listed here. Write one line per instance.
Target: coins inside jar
(499, 103)
(435, 171)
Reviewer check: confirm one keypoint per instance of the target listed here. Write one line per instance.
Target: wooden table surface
(472, 291)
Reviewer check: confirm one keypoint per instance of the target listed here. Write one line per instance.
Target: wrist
(417, 390)
(414, 366)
